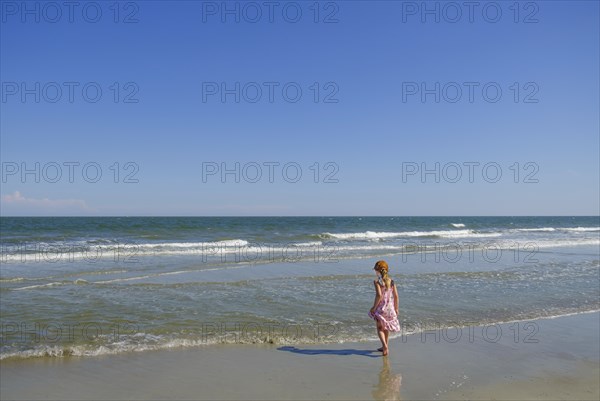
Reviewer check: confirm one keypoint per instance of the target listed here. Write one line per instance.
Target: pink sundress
(385, 312)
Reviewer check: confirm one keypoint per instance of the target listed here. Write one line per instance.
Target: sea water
(102, 285)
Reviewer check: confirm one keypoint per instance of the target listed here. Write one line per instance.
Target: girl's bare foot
(385, 351)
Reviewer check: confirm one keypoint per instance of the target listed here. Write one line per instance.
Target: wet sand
(555, 358)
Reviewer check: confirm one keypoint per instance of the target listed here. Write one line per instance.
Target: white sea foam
(308, 244)
(30, 287)
(372, 235)
(12, 280)
(130, 252)
(583, 229)
(140, 342)
(225, 243)
(564, 242)
(117, 251)
(552, 229)
(457, 225)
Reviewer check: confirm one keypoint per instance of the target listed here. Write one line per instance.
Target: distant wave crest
(373, 235)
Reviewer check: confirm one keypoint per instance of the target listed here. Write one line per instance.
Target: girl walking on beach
(385, 307)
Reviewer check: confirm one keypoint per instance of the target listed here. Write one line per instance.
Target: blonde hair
(382, 267)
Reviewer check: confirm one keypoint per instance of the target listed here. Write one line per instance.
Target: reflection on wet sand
(388, 387)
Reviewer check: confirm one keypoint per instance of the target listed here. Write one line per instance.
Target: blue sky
(365, 58)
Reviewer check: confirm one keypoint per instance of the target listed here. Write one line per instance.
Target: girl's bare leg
(386, 334)
(381, 335)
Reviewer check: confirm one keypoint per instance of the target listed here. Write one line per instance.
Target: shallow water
(91, 286)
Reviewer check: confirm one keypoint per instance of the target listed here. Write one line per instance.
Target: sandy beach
(198, 200)
(555, 358)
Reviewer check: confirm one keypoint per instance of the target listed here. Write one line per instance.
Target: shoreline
(254, 334)
(484, 363)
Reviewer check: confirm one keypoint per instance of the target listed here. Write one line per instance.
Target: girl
(385, 307)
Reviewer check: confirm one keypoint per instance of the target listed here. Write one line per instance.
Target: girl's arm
(377, 296)
(395, 299)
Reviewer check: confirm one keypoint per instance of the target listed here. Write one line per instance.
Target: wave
(253, 256)
(12, 280)
(250, 333)
(229, 257)
(372, 235)
(225, 243)
(308, 244)
(140, 342)
(118, 251)
(457, 225)
(582, 229)
(53, 284)
(130, 252)
(552, 229)
(561, 243)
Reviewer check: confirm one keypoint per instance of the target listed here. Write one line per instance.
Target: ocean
(91, 286)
